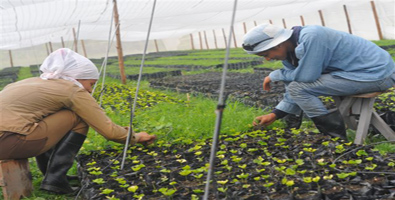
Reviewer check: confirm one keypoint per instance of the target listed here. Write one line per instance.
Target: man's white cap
(264, 37)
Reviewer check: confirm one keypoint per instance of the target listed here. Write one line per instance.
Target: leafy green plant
(167, 192)
(133, 188)
(107, 191)
(99, 181)
(138, 167)
(222, 189)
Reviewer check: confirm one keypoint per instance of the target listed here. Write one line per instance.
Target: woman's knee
(78, 124)
(17, 146)
(82, 127)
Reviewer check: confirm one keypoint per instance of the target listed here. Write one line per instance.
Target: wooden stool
(15, 179)
(362, 105)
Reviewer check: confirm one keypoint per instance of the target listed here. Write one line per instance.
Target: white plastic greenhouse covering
(30, 29)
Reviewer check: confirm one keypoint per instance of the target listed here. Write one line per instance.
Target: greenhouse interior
(197, 99)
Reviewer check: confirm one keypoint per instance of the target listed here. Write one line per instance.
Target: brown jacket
(25, 103)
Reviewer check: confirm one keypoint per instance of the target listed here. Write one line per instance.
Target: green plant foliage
(119, 98)
(24, 73)
(386, 101)
(195, 118)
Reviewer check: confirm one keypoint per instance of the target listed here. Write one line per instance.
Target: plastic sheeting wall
(29, 25)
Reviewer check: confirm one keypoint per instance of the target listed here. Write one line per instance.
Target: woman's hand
(265, 120)
(145, 138)
(266, 83)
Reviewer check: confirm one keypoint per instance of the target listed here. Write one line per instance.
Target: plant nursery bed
(237, 65)
(274, 164)
(243, 87)
(154, 75)
(8, 75)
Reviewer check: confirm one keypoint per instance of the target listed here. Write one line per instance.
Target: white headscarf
(69, 65)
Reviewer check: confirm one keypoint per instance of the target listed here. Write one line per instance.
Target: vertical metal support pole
(119, 43)
(284, 24)
(50, 47)
(83, 48)
(321, 17)
(137, 88)
(302, 20)
(11, 61)
(348, 19)
(46, 47)
(215, 40)
(223, 33)
(61, 39)
(205, 39)
(192, 45)
(75, 41)
(156, 45)
(200, 40)
(234, 37)
(219, 111)
(376, 19)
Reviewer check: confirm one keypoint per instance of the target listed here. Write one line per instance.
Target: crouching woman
(48, 117)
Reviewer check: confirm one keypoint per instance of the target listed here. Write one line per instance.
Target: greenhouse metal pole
(200, 40)
(74, 46)
(11, 62)
(104, 63)
(156, 45)
(376, 19)
(215, 40)
(321, 17)
(83, 48)
(119, 43)
(62, 41)
(223, 33)
(302, 20)
(284, 23)
(46, 47)
(76, 36)
(192, 45)
(205, 39)
(348, 19)
(219, 110)
(234, 37)
(137, 88)
(50, 47)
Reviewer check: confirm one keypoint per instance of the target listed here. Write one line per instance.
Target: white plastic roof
(32, 23)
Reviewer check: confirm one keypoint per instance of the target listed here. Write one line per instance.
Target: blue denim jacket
(323, 50)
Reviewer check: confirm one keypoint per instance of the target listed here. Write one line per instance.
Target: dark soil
(243, 87)
(148, 75)
(273, 164)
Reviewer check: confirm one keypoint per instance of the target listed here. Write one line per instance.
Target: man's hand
(145, 138)
(264, 120)
(266, 83)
